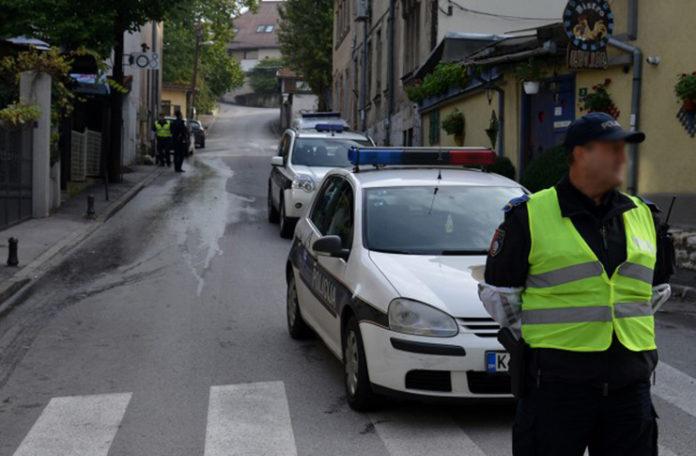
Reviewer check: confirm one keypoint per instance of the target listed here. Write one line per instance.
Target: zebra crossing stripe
(249, 419)
(675, 387)
(76, 426)
(414, 433)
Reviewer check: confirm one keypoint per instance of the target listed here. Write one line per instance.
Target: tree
(305, 35)
(263, 77)
(210, 23)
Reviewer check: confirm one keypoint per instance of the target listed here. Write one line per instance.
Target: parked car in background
(199, 133)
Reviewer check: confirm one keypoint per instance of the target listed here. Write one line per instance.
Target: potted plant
(454, 124)
(529, 74)
(686, 91)
(493, 129)
(599, 100)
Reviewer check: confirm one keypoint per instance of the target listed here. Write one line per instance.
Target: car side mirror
(277, 161)
(330, 246)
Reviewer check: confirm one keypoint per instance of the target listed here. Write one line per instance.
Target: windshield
(326, 152)
(445, 220)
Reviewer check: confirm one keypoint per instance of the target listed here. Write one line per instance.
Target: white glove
(660, 295)
(504, 304)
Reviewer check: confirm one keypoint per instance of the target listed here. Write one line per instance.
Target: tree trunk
(114, 161)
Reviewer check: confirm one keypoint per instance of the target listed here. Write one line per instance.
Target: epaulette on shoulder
(520, 200)
(653, 207)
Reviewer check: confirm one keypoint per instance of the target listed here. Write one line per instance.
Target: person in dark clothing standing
(181, 138)
(576, 272)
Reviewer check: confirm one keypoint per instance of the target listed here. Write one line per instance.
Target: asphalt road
(164, 335)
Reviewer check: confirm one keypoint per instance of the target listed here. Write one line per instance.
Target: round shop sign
(588, 24)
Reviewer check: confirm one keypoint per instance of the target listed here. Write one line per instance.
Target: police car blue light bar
(423, 156)
(329, 127)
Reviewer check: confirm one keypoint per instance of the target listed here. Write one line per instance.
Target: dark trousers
(179, 153)
(562, 420)
(164, 145)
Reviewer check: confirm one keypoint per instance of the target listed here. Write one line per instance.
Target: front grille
(485, 383)
(481, 327)
(429, 380)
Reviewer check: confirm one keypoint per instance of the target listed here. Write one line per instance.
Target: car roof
(427, 176)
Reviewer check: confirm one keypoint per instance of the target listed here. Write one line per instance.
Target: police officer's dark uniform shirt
(602, 228)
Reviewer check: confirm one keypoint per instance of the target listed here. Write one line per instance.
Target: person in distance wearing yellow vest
(575, 274)
(163, 132)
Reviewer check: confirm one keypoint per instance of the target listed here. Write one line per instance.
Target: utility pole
(194, 79)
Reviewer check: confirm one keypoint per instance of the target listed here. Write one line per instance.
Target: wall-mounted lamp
(653, 60)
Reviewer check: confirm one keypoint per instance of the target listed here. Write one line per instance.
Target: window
(411, 16)
(284, 147)
(329, 152)
(342, 20)
(455, 220)
(378, 64)
(166, 108)
(333, 212)
(434, 127)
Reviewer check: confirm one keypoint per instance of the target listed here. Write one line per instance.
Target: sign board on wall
(588, 24)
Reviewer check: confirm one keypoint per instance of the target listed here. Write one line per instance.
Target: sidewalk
(43, 240)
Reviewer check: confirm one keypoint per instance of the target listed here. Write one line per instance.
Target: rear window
(328, 152)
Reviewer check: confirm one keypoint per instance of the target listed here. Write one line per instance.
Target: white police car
(385, 269)
(304, 156)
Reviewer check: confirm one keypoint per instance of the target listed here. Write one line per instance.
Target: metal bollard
(90, 207)
(12, 258)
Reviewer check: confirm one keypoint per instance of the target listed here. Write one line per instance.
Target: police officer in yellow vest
(162, 129)
(576, 272)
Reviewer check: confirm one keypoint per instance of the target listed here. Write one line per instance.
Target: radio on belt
(423, 156)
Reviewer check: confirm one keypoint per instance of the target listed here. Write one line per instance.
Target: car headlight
(413, 317)
(305, 183)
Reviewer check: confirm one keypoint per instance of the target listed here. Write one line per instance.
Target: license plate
(497, 361)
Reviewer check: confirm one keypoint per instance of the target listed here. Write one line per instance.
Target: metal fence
(15, 175)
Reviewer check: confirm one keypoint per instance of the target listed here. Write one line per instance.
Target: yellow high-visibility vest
(163, 130)
(570, 302)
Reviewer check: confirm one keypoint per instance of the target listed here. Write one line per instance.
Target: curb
(684, 291)
(21, 284)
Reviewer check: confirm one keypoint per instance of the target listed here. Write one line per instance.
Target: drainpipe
(390, 70)
(363, 81)
(632, 184)
(632, 19)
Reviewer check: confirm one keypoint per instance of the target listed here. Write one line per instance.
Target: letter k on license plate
(497, 361)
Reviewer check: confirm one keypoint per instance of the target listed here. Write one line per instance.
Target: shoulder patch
(653, 207)
(520, 200)
(497, 242)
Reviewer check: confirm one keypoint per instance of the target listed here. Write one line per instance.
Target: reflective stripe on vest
(163, 131)
(570, 302)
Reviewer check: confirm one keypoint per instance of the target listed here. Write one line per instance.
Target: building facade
(380, 44)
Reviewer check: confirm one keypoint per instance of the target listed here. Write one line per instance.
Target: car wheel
(358, 389)
(203, 144)
(287, 224)
(273, 216)
(297, 327)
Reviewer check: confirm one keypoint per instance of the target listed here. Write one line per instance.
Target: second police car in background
(385, 269)
(317, 143)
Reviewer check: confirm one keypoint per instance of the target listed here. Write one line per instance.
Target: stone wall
(685, 246)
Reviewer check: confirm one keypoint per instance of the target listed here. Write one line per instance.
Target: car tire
(273, 215)
(287, 224)
(203, 144)
(297, 327)
(359, 392)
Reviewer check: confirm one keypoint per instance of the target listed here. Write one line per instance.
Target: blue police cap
(598, 126)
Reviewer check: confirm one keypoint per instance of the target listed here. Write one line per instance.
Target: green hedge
(502, 166)
(546, 169)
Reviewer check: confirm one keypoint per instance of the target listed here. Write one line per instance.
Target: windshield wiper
(463, 252)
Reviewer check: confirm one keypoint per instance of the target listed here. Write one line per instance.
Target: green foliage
(528, 71)
(217, 72)
(686, 87)
(493, 129)
(599, 100)
(305, 35)
(454, 123)
(263, 77)
(445, 76)
(546, 169)
(502, 166)
(18, 114)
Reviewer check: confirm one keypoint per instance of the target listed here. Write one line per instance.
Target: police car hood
(449, 283)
